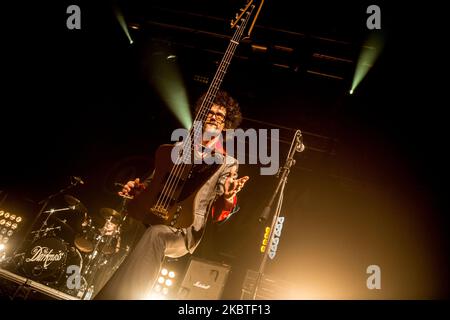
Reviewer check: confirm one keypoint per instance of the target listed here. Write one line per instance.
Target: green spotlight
(370, 52)
(166, 77)
(122, 23)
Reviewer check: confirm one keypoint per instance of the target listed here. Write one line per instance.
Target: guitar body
(175, 205)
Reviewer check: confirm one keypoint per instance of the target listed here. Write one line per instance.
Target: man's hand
(233, 186)
(131, 188)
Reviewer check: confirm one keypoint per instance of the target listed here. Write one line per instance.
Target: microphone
(300, 146)
(78, 179)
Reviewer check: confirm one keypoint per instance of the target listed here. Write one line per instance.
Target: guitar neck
(223, 67)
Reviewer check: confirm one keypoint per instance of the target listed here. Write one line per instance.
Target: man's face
(215, 121)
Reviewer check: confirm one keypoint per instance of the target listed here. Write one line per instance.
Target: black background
(78, 102)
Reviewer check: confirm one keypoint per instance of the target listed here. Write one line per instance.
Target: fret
(223, 67)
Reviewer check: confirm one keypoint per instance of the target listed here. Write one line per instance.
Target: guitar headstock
(245, 10)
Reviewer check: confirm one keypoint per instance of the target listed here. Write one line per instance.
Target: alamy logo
(374, 20)
(74, 20)
(374, 281)
(74, 280)
(258, 147)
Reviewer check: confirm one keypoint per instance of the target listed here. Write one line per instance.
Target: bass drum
(48, 260)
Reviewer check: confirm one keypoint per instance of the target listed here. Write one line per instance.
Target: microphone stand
(296, 146)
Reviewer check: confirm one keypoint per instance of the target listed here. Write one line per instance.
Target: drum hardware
(44, 204)
(104, 246)
(44, 227)
(51, 211)
(45, 232)
(75, 203)
(46, 254)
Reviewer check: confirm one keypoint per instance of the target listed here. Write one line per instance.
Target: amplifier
(203, 280)
(269, 288)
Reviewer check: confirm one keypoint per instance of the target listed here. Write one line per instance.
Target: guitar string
(178, 168)
(206, 105)
(193, 133)
(170, 188)
(171, 183)
(207, 102)
(180, 165)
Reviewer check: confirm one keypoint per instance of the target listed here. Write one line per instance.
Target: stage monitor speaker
(203, 280)
(269, 288)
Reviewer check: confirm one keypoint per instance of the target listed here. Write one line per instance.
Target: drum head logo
(45, 255)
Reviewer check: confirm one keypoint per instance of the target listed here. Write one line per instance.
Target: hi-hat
(63, 224)
(72, 201)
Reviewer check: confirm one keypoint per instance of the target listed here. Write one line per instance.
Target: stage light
(156, 296)
(2, 213)
(2, 252)
(369, 53)
(9, 225)
(166, 77)
(122, 23)
(163, 285)
(265, 240)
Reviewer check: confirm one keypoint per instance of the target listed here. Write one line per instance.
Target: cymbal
(108, 212)
(72, 201)
(62, 224)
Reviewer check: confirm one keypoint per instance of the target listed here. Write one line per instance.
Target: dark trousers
(138, 273)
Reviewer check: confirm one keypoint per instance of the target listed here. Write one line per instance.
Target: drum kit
(70, 248)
